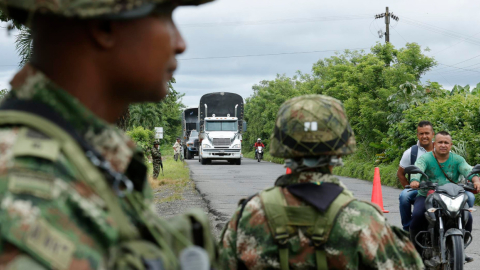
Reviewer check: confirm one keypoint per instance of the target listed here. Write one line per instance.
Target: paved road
(222, 185)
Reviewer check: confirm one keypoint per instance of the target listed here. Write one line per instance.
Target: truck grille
(222, 142)
(195, 143)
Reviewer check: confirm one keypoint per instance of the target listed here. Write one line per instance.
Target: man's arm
(464, 168)
(404, 162)
(401, 176)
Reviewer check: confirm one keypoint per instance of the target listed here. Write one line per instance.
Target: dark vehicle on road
(189, 128)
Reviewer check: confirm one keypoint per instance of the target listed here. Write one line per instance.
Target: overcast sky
(217, 31)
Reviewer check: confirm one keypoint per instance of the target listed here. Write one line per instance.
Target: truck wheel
(188, 155)
(204, 161)
(239, 162)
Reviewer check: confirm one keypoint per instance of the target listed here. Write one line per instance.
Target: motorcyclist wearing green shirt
(452, 164)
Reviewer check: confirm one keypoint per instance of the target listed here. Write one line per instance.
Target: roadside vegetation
(384, 96)
(174, 181)
(266, 157)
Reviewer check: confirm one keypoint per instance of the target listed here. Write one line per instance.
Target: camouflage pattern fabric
(312, 125)
(88, 8)
(50, 218)
(361, 238)
(157, 161)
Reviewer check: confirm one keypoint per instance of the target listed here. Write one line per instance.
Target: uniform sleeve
(422, 165)
(374, 243)
(405, 161)
(228, 244)
(40, 225)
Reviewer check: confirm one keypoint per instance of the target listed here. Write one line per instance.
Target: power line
(472, 70)
(278, 21)
(400, 35)
(442, 31)
(268, 54)
(476, 56)
(437, 52)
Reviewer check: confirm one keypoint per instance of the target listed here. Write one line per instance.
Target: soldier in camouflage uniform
(156, 160)
(309, 220)
(73, 188)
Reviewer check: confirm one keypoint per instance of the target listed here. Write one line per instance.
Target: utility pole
(387, 15)
(387, 24)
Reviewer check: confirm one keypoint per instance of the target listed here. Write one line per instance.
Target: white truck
(220, 117)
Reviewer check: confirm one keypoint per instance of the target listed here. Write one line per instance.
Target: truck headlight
(189, 144)
(205, 146)
(237, 146)
(453, 205)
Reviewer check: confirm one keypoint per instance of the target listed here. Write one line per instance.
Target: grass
(357, 168)
(175, 178)
(266, 157)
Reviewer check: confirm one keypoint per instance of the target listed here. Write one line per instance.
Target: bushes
(458, 114)
(142, 137)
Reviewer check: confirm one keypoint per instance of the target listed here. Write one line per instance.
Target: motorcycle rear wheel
(455, 253)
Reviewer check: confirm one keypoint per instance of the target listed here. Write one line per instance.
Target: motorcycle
(443, 244)
(259, 154)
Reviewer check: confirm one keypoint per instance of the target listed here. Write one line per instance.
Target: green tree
(166, 114)
(23, 40)
(457, 114)
(3, 92)
(261, 108)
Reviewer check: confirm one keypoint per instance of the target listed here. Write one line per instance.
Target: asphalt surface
(222, 185)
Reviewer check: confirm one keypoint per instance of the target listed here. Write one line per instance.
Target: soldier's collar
(32, 84)
(306, 177)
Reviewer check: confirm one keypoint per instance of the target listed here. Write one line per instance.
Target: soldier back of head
(77, 195)
(309, 219)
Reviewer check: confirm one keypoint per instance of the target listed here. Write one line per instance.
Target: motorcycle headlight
(453, 205)
(237, 146)
(205, 146)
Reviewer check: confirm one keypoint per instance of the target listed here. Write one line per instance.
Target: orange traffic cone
(289, 171)
(377, 197)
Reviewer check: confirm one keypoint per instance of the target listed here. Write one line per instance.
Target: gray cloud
(252, 27)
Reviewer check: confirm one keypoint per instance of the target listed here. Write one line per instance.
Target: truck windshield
(221, 126)
(193, 133)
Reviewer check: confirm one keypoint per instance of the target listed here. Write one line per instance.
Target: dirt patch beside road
(174, 198)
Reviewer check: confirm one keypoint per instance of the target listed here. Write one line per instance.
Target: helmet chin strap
(299, 165)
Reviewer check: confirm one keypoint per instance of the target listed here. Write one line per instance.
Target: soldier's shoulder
(25, 148)
(361, 215)
(39, 195)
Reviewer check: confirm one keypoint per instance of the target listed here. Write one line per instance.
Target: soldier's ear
(101, 33)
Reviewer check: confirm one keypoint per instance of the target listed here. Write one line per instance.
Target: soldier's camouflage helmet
(312, 125)
(95, 9)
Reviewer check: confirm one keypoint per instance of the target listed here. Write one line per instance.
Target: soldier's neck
(84, 81)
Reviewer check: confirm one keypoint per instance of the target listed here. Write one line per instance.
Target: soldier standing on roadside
(156, 159)
(309, 220)
(74, 192)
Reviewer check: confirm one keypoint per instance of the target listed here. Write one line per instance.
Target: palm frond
(24, 45)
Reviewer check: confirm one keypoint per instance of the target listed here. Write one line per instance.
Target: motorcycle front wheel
(455, 253)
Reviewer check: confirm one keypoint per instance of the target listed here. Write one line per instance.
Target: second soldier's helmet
(91, 9)
(312, 125)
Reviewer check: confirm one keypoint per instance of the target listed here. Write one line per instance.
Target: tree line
(384, 97)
